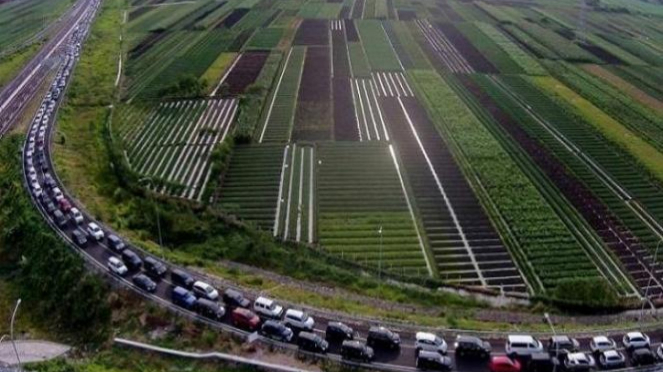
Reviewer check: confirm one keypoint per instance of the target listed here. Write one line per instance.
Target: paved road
(16, 95)
(31, 351)
(97, 253)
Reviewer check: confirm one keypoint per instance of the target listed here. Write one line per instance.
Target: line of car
(271, 320)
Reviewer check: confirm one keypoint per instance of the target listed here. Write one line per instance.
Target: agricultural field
(517, 148)
(20, 21)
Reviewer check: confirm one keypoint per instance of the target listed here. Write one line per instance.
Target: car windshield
(604, 344)
(637, 339)
(209, 289)
(613, 358)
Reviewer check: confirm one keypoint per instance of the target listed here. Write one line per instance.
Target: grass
(647, 155)
(11, 64)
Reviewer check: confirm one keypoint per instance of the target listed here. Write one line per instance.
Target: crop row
(379, 52)
(363, 214)
(281, 109)
(533, 228)
(295, 213)
(174, 141)
(618, 165)
(441, 51)
(519, 56)
(19, 20)
(250, 187)
(563, 48)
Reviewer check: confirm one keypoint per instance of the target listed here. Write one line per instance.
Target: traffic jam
(372, 346)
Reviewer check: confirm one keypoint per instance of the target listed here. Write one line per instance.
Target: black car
(642, 357)
(233, 298)
(179, 277)
(558, 345)
(277, 331)
(311, 342)
(383, 338)
(131, 259)
(433, 361)
(60, 219)
(357, 351)
(115, 243)
(209, 309)
(337, 331)
(472, 347)
(154, 268)
(542, 362)
(143, 282)
(79, 237)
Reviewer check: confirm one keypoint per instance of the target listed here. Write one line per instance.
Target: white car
(578, 362)
(32, 174)
(267, 308)
(611, 359)
(430, 342)
(57, 194)
(601, 343)
(116, 266)
(36, 188)
(299, 320)
(95, 231)
(76, 215)
(635, 340)
(202, 289)
(522, 345)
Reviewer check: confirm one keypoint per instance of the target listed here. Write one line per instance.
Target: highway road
(16, 95)
(37, 156)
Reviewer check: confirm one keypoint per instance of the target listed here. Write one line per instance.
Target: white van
(268, 308)
(522, 346)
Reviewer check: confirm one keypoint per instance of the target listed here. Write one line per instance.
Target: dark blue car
(183, 298)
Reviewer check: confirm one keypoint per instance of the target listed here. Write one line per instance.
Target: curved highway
(38, 169)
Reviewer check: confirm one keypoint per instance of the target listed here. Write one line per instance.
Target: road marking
(278, 202)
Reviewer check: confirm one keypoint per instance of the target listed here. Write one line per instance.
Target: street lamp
(651, 275)
(380, 256)
(546, 316)
(156, 211)
(11, 332)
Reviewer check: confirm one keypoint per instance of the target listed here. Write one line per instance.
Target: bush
(585, 294)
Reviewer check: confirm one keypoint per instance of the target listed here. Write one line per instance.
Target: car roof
(463, 338)
(265, 300)
(502, 359)
(93, 225)
(642, 351)
(295, 313)
(561, 338)
(180, 290)
(577, 356)
(426, 336)
(199, 283)
(114, 259)
(609, 353)
(600, 339)
(635, 334)
(520, 338)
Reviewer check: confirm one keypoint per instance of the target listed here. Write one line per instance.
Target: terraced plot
(368, 114)
(174, 142)
(295, 212)
(466, 248)
(442, 51)
(250, 187)
(360, 194)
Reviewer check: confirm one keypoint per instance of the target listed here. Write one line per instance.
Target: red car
(65, 205)
(503, 364)
(245, 319)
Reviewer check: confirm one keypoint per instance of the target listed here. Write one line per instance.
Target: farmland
(491, 145)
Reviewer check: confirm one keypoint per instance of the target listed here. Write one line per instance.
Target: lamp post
(11, 332)
(156, 212)
(380, 256)
(651, 275)
(546, 316)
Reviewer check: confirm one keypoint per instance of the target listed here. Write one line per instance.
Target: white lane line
(310, 201)
(444, 195)
(301, 193)
(370, 110)
(289, 201)
(276, 93)
(278, 201)
(225, 76)
(411, 209)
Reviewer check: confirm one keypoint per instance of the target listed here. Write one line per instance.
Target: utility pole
(546, 316)
(380, 257)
